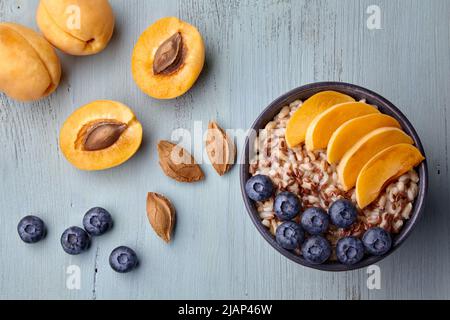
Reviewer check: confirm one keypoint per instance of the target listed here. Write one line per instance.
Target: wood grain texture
(256, 51)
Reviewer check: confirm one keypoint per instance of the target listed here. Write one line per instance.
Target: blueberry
(75, 240)
(123, 259)
(259, 188)
(287, 206)
(289, 235)
(377, 241)
(316, 250)
(97, 221)
(349, 250)
(342, 213)
(31, 229)
(315, 221)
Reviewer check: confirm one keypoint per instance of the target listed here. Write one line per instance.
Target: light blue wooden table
(256, 50)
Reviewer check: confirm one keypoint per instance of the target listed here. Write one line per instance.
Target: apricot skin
(72, 135)
(29, 66)
(57, 21)
(384, 167)
(161, 86)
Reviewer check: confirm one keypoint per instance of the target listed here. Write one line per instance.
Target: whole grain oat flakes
(315, 181)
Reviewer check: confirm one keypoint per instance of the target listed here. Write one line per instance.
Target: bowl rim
(419, 203)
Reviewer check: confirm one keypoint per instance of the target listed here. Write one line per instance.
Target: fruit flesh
(384, 167)
(351, 131)
(73, 134)
(323, 126)
(368, 146)
(300, 120)
(57, 19)
(176, 83)
(29, 67)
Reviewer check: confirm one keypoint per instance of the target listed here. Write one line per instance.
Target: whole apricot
(77, 27)
(100, 135)
(168, 58)
(29, 66)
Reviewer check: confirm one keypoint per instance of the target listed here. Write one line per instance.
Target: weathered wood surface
(256, 50)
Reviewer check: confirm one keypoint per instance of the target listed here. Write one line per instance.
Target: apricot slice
(351, 131)
(77, 27)
(362, 151)
(316, 104)
(383, 168)
(323, 126)
(168, 58)
(100, 135)
(29, 66)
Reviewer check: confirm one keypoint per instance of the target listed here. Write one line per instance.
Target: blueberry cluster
(76, 240)
(307, 235)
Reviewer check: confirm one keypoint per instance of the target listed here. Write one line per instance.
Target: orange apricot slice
(368, 146)
(323, 126)
(351, 131)
(168, 58)
(316, 104)
(100, 135)
(383, 168)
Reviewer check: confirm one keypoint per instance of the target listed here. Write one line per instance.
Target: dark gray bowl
(358, 93)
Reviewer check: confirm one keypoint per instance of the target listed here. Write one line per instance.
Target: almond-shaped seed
(220, 148)
(161, 215)
(168, 56)
(177, 163)
(102, 135)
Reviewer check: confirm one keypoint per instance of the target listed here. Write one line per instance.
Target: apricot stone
(77, 27)
(100, 135)
(168, 58)
(29, 66)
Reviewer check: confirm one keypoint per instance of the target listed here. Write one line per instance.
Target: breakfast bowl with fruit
(333, 176)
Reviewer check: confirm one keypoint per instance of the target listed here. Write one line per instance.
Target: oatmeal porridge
(309, 175)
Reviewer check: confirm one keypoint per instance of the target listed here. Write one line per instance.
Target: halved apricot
(100, 135)
(383, 168)
(323, 126)
(316, 104)
(168, 58)
(357, 156)
(351, 131)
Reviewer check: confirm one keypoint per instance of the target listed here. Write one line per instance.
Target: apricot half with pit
(29, 66)
(168, 58)
(77, 27)
(100, 135)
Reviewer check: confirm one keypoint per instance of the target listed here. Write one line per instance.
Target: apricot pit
(168, 58)
(100, 135)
